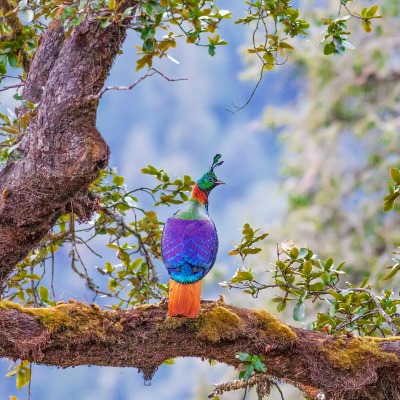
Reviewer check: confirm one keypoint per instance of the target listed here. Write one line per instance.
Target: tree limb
(341, 367)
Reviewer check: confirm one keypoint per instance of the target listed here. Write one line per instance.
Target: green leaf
(118, 180)
(395, 174)
(247, 372)
(33, 277)
(299, 311)
(12, 60)
(394, 269)
(281, 306)
(388, 204)
(366, 25)
(307, 267)
(372, 11)
(44, 293)
(329, 48)
(294, 253)
(241, 276)
(328, 264)
(259, 365)
(243, 356)
(284, 45)
(251, 250)
(364, 282)
(280, 265)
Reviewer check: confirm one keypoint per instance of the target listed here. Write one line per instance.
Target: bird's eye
(210, 179)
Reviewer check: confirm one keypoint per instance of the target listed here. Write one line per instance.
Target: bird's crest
(215, 162)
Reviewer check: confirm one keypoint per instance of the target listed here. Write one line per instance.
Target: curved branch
(342, 367)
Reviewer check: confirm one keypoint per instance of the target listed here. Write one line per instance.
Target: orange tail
(184, 299)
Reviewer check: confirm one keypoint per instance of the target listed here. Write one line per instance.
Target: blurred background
(308, 160)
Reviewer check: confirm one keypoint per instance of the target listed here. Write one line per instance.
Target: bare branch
(16, 86)
(150, 72)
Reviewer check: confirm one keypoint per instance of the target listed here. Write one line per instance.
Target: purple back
(189, 248)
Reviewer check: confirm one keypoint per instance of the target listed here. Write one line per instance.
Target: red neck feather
(199, 195)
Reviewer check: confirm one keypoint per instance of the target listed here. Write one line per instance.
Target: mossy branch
(144, 337)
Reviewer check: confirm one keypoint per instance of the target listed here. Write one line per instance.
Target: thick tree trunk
(62, 148)
(342, 367)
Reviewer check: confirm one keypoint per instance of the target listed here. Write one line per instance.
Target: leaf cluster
(300, 276)
(337, 30)
(251, 364)
(394, 190)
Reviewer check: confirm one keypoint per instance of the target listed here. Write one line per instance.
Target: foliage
(339, 139)
(394, 190)
(251, 364)
(22, 372)
(301, 277)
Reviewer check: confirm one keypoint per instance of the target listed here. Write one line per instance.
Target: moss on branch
(145, 336)
(351, 354)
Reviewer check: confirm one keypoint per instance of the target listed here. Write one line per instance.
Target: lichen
(271, 327)
(353, 354)
(219, 324)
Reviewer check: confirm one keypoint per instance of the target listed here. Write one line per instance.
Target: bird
(189, 246)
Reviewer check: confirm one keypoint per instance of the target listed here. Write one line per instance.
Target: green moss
(74, 318)
(212, 324)
(352, 354)
(270, 326)
(218, 324)
(171, 323)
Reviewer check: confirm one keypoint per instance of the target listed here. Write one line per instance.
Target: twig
(347, 9)
(279, 390)
(389, 320)
(237, 108)
(18, 85)
(150, 72)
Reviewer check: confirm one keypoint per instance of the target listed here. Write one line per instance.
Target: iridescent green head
(209, 180)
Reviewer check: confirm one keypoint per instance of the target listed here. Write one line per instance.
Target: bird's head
(209, 180)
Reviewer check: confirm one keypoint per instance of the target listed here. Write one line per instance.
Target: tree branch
(150, 72)
(341, 367)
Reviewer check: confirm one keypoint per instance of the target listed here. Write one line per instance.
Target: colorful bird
(189, 247)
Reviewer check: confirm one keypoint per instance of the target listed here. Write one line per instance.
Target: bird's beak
(219, 182)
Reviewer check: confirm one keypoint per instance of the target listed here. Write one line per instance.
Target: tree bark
(63, 151)
(341, 367)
